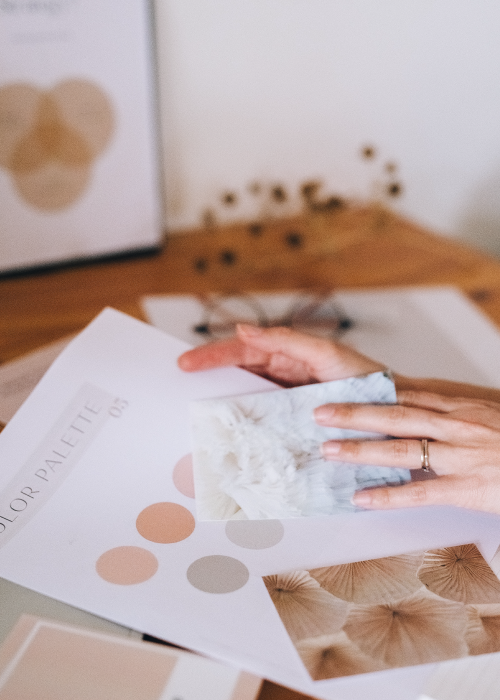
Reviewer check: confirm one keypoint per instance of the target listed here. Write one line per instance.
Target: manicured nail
(330, 448)
(362, 498)
(248, 330)
(322, 414)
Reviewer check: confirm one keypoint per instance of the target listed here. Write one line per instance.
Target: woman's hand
(461, 421)
(285, 356)
(464, 448)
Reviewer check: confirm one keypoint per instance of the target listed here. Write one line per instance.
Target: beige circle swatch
(127, 565)
(217, 574)
(165, 523)
(50, 138)
(183, 476)
(255, 534)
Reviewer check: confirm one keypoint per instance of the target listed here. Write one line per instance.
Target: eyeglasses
(314, 313)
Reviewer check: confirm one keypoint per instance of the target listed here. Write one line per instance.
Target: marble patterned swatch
(258, 456)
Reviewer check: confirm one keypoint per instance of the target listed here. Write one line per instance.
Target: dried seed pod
(305, 608)
(416, 630)
(333, 656)
(460, 573)
(372, 581)
(483, 629)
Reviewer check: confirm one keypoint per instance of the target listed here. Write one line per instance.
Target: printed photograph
(258, 456)
(391, 612)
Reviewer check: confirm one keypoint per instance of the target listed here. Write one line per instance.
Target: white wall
(288, 90)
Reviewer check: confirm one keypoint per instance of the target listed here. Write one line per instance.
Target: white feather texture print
(258, 456)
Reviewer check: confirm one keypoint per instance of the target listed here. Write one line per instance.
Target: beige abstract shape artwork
(386, 613)
(50, 139)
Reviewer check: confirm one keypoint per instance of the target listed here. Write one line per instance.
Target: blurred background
(362, 96)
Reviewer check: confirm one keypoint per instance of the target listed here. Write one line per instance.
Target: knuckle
(382, 497)
(400, 449)
(397, 413)
(351, 448)
(417, 493)
(409, 397)
(345, 411)
(282, 331)
(278, 334)
(470, 431)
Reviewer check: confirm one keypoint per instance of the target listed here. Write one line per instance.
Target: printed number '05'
(116, 410)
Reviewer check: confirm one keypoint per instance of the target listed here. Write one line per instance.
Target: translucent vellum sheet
(258, 456)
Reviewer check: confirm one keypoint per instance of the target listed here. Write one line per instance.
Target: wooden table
(349, 248)
(346, 248)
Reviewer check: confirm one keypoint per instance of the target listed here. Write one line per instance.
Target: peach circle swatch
(165, 523)
(126, 565)
(183, 476)
(255, 534)
(217, 574)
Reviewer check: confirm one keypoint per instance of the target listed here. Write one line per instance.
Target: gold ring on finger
(424, 455)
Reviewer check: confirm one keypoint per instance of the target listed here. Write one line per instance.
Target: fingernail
(330, 448)
(248, 329)
(362, 498)
(322, 414)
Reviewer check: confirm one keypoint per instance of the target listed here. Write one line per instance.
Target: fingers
(384, 453)
(427, 399)
(221, 354)
(396, 420)
(443, 404)
(447, 490)
(325, 359)
(280, 353)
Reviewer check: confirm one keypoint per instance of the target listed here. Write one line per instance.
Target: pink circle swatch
(183, 476)
(165, 523)
(126, 565)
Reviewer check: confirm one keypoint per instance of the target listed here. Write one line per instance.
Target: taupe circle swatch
(217, 574)
(165, 523)
(50, 138)
(255, 534)
(127, 565)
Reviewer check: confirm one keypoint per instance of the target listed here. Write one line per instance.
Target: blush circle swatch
(165, 523)
(255, 534)
(127, 565)
(217, 574)
(183, 476)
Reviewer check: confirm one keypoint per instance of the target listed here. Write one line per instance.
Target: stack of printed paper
(97, 510)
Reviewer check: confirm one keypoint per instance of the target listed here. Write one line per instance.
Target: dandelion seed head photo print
(391, 612)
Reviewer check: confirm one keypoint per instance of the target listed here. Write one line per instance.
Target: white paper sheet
(476, 678)
(196, 584)
(19, 377)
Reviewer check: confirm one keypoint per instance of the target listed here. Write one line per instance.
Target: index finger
(220, 354)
